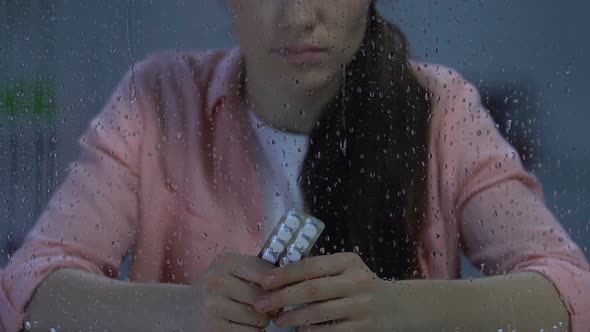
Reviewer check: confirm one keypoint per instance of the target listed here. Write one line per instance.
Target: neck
(288, 107)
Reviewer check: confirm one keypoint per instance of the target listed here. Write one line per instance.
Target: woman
(399, 159)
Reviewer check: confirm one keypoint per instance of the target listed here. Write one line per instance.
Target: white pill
(292, 221)
(276, 246)
(284, 234)
(285, 261)
(309, 230)
(301, 243)
(294, 255)
(269, 256)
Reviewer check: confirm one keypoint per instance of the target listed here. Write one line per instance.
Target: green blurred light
(29, 99)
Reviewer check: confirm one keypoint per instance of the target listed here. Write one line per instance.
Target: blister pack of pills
(292, 238)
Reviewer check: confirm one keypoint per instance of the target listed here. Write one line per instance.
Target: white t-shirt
(281, 155)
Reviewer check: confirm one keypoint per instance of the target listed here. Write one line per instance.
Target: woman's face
(300, 43)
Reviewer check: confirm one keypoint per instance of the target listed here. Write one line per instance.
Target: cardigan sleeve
(90, 221)
(504, 224)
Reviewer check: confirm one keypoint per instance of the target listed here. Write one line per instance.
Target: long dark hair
(365, 172)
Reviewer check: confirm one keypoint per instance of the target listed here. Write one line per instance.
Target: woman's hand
(339, 291)
(225, 295)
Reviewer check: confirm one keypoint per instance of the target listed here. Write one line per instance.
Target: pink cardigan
(167, 169)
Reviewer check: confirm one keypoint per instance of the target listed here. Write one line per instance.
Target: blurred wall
(86, 46)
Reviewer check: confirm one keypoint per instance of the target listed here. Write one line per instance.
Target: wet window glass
(334, 165)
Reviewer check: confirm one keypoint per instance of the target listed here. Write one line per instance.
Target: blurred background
(61, 59)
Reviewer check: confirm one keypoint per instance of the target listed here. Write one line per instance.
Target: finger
(322, 312)
(343, 326)
(309, 268)
(306, 292)
(244, 314)
(242, 291)
(235, 327)
(249, 268)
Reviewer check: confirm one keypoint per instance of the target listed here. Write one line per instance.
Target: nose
(298, 15)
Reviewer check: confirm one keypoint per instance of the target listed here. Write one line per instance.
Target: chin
(308, 78)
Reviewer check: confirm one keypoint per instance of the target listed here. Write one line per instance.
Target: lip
(299, 54)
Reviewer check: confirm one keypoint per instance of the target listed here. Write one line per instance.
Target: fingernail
(262, 303)
(268, 281)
